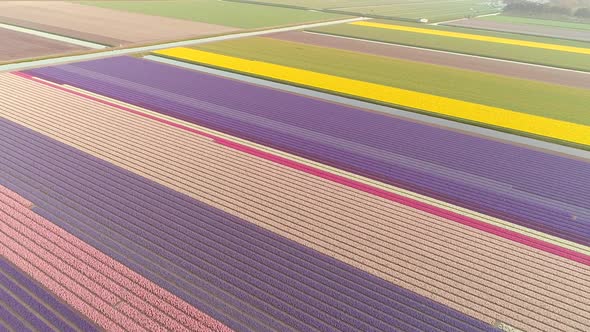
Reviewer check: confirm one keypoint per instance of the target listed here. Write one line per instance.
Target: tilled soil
(104, 26)
(17, 45)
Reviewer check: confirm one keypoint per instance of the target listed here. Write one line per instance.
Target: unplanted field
(535, 21)
(434, 10)
(17, 45)
(514, 52)
(103, 26)
(239, 15)
(523, 28)
(536, 98)
(460, 61)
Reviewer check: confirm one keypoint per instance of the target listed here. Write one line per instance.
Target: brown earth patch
(17, 45)
(537, 30)
(492, 66)
(100, 25)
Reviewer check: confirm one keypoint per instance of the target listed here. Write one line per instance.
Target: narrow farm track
(110, 294)
(149, 48)
(537, 190)
(387, 239)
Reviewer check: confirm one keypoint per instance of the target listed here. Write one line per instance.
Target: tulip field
(513, 113)
(134, 165)
(228, 166)
(478, 44)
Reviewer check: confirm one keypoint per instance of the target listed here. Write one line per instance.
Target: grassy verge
(474, 47)
(239, 15)
(531, 97)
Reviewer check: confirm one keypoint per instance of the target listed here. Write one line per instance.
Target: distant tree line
(577, 8)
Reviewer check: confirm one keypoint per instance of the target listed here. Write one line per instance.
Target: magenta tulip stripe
(138, 196)
(537, 190)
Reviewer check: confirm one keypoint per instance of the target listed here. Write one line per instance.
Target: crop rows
(425, 56)
(537, 190)
(94, 284)
(407, 247)
(553, 58)
(23, 300)
(206, 231)
(504, 119)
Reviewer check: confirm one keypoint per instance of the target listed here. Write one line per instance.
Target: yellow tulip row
(554, 47)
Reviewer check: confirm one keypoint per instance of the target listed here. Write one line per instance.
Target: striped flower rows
(390, 245)
(540, 191)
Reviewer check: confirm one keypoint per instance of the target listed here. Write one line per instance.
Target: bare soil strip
(525, 71)
(104, 26)
(17, 45)
(527, 29)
